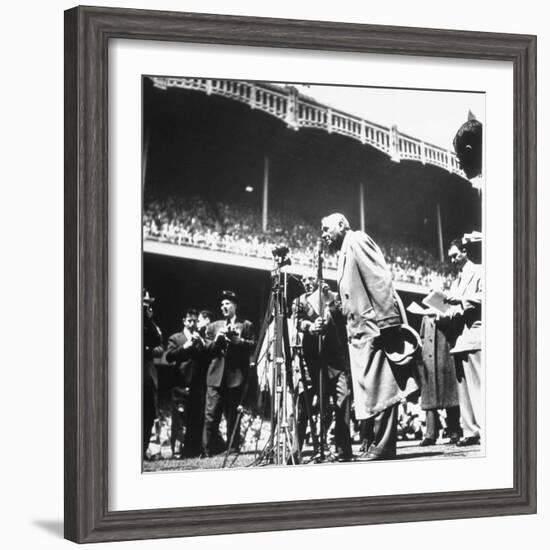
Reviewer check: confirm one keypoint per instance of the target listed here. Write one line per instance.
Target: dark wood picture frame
(87, 34)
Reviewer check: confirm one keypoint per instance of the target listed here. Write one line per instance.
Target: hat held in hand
(400, 345)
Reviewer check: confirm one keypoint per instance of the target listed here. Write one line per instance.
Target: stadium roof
(427, 112)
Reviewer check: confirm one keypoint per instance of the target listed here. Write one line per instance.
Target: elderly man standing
(374, 316)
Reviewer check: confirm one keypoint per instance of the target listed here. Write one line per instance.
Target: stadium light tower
(265, 194)
(440, 234)
(362, 206)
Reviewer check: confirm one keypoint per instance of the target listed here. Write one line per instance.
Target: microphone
(319, 259)
(320, 246)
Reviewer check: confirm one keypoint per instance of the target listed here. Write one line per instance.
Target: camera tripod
(273, 356)
(282, 445)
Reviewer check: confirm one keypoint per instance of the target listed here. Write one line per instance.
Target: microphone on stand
(319, 248)
(320, 274)
(322, 370)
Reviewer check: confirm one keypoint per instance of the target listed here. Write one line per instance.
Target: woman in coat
(438, 385)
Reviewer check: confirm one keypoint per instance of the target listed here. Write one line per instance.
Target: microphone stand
(322, 380)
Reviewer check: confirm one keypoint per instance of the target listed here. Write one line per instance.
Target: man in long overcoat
(373, 318)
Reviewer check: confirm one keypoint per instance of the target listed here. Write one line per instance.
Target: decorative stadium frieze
(299, 111)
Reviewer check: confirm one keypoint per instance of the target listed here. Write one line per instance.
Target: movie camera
(280, 255)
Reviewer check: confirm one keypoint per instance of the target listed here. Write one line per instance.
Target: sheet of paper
(436, 300)
(417, 309)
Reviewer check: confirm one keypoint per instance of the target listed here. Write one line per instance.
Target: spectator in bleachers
(236, 228)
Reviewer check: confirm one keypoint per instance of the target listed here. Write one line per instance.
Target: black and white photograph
(274, 275)
(312, 273)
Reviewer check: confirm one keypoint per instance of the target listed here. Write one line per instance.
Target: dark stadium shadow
(54, 527)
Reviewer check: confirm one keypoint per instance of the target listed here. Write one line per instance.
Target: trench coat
(370, 304)
(437, 369)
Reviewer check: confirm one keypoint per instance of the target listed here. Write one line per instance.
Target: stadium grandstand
(236, 229)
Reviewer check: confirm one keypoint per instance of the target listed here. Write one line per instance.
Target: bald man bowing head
(374, 318)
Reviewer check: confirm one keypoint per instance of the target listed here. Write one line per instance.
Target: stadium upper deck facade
(300, 111)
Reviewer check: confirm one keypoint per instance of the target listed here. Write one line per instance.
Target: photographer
(229, 342)
(186, 350)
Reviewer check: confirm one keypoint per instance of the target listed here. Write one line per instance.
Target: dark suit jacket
(334, 345)
(152, 348)
(188, 360)
(229, 363)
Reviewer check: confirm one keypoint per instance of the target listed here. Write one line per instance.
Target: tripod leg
(322, 405)
(255, 357)
(307, 400)
(240, 410)
(294, 440)
(263, 331)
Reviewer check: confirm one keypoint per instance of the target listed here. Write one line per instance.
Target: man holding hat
(230, 342)
(381, 345)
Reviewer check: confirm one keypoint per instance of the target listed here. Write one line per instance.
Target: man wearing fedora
(230, 342)
(381, 345)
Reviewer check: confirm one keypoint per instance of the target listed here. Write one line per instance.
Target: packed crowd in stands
(235, 228)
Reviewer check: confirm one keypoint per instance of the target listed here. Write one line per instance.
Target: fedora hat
(229, 295)
(400, 349)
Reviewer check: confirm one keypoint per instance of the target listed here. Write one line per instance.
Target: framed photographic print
(288, 250)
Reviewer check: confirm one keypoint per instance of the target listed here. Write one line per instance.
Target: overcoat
(370, 304)
(229, 363)
(334, 346)
(437, 369)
